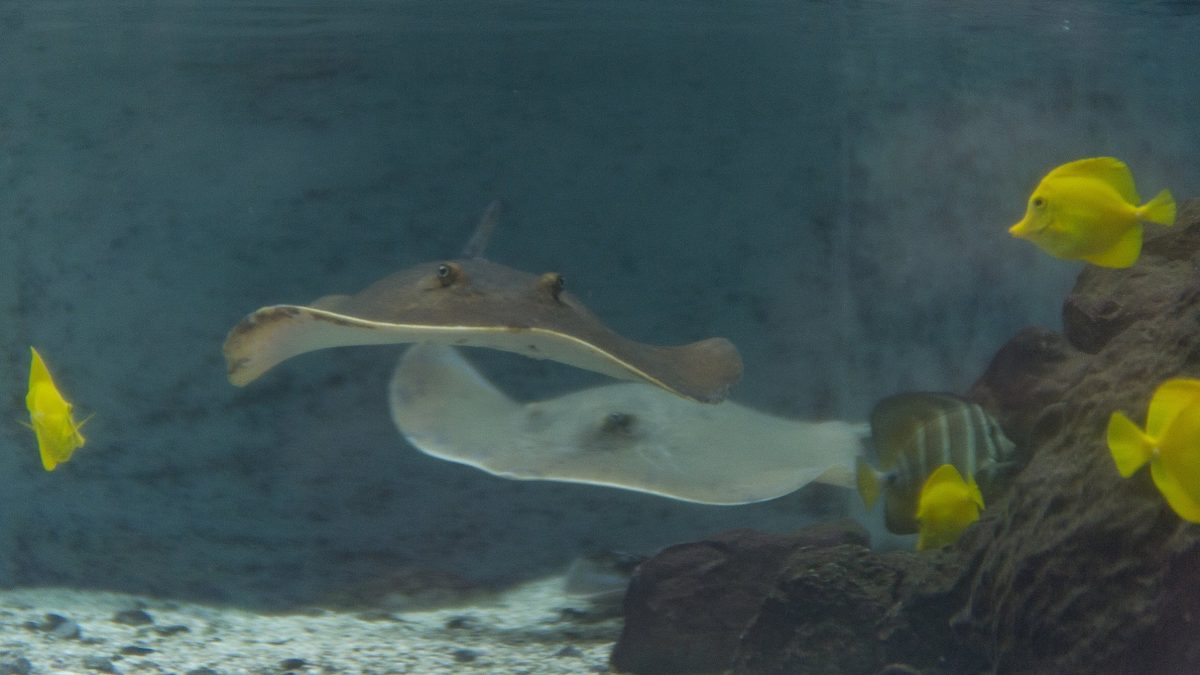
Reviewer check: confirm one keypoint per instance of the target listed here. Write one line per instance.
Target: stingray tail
(868, 482)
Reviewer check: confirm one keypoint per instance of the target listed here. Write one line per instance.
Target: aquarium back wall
(829, 186)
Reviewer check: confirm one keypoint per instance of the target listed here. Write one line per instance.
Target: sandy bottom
(533, 628)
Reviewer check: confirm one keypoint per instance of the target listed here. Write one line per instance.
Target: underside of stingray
(629, 436)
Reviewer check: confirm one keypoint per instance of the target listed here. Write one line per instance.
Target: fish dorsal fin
(1121, 254)
(945, 474)
(38, 372)
(895, 420)
(1110, 170)
(483, 231)
(1171, 397)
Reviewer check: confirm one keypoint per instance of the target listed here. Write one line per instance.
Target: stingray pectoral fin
(274, 334)
(703, 371)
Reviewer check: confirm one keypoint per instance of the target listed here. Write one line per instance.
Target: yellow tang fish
(50, 416)
(948, 504)
(1089, 210)
(1170, 443)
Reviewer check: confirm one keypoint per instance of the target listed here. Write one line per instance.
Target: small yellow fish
(50, 416)
(915, 433)
(1089, 210)
(1170, 443)
(948, 504)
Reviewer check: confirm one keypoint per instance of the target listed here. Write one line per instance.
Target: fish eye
(552, 282)
(1039, 202)
(448, 273)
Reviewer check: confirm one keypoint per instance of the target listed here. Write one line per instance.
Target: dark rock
(15, 665)
(133, 617)
(1024, 385)
(1079, 570)
(292, 664)
(99, 663)
(57, 625)
(465, 655)
(136, 650)
(1091, 321)
(462, 622)
(1073, 570)
(1106, 302)
(845, 609)
(687, 607)
(172, 629)
(569, 652)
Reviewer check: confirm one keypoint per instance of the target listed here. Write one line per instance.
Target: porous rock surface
(1080, 570)
(687, 607)
(1073, 570)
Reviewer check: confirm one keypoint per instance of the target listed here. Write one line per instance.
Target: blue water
(826, 184)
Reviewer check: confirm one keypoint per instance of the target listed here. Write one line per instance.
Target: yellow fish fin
(867, 481)
(38, 373)
(1159, 210)
(1130, 447)
(946, 474)
(1121, 254)
(1181, 500)
(1109, 170)
(1171, 398)
(51, 457)
(1176, 466)
(974, 493)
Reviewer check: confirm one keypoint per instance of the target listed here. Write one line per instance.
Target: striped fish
(913, 435)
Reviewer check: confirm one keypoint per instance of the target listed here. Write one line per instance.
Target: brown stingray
(473, 302)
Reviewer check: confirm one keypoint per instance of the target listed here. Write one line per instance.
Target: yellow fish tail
(1159, 210)
(867, 481)
(1129, 446)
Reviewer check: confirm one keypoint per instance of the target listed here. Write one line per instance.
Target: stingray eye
(553, 282)
(448, 273)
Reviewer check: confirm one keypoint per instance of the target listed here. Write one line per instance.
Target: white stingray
(630, 436)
